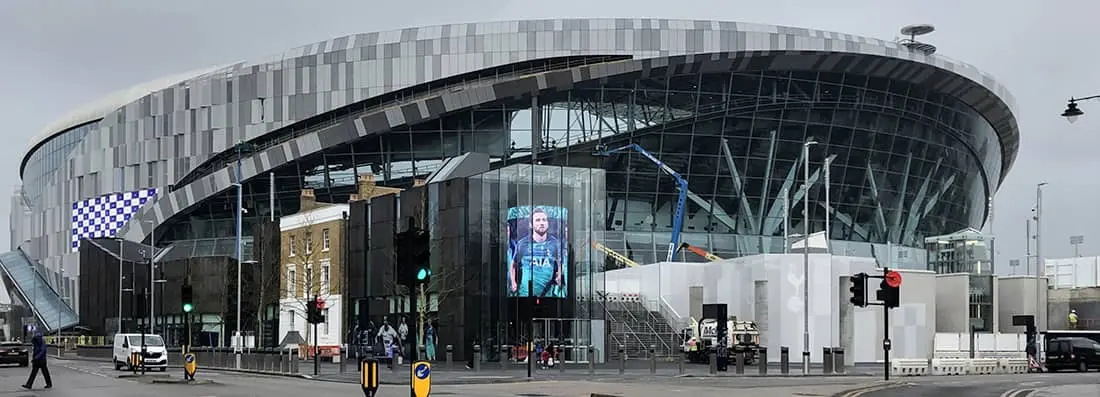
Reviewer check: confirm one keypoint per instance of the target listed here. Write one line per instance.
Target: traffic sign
(893, 279)
(421, 382)
(189, 366)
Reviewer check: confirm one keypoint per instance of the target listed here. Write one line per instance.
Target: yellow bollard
(369, 374)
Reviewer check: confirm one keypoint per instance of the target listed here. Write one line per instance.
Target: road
(97, 379)
(1029, 385)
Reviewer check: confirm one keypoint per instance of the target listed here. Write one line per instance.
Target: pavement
(1019, 385)
(74, 378)
(634, 370)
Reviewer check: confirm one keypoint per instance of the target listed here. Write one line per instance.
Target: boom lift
(678, 218)
(617, 256)
(701, 252)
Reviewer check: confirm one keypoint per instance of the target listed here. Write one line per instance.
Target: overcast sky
(62, 53)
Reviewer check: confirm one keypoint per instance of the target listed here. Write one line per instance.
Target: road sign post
(369, 374)
(421, 379)
(189, 366)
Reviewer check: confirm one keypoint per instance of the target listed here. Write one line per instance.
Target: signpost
(369, 375)
(421, 382)
(189, 366)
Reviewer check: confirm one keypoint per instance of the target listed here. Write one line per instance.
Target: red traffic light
(320, 303)
(893, 279)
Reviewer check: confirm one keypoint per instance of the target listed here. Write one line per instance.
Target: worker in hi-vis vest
(1073, 319)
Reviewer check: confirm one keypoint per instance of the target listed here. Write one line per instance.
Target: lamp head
(1072, 112)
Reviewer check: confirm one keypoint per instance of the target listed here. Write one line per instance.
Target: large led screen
(538, 251)
(103, 216)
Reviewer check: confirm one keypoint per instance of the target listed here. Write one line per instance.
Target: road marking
(872, 389)
(1018, 393)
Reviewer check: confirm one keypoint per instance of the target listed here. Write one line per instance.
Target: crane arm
(617, 256)
(681, 183)
(701, 252)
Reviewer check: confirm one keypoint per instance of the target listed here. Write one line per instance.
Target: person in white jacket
(388, 336)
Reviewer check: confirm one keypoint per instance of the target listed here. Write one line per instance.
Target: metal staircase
(26, 279)
(636, 329)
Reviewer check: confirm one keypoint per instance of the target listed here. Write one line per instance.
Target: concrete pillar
(760, 309)
(845, 316)
(695, 302)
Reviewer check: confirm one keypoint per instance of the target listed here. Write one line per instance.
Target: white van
(156, 353)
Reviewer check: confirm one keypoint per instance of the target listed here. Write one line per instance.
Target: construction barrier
(958, 366)
(984, 366)
(909, 367)
(1013, 365)
(950, 366)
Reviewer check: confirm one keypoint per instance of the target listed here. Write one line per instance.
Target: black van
(1082, 354)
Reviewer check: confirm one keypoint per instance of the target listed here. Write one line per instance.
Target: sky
(59, 54)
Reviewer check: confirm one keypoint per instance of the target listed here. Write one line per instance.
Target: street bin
(762, 356)
(838, 360)
(784, 360)
(739, 357)
(826, 360)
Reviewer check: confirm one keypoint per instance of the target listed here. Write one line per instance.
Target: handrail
(615, 255)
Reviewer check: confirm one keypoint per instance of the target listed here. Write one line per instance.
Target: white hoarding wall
(664, 287)
(1080, 272)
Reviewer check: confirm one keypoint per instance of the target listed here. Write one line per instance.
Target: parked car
(14, 352)
(1077, 353)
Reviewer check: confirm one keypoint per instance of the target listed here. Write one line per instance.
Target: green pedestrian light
(187, 307)
(423, 273)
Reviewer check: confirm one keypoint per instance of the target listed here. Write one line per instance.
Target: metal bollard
(591, 360)
(739, 357)
(784, 360)
(838, 360)
(295, 362)
(450, 357)
(826, 360)
(423, 352)
(680, 362)
(622, 359)
(477, 358)
(762, 355)
(558, 357)
(713, 362)
(503, 355)
(652, 359)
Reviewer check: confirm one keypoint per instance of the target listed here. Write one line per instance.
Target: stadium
(914, 144)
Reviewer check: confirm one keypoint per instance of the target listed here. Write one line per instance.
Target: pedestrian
(429, 342)
(38, 362)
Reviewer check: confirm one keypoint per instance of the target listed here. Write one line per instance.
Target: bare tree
(268, 255)
(311, 269)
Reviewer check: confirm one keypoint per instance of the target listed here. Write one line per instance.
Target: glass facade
(38, 171)
(905, 162)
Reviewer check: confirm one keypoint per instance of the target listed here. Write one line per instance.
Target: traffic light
(413, 257)
(187, 297)
(315, 311)
(859, 290)
(889, 295)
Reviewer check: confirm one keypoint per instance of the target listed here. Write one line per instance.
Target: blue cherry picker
(678, 218)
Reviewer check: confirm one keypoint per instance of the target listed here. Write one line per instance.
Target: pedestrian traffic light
(859, 290)
(413, 257)
(187, 298)
(890, 289)
(423, 273)
(315, 311)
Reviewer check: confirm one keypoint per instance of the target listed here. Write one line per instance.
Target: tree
(307, 271)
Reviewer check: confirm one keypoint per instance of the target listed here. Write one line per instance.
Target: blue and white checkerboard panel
(103, 216)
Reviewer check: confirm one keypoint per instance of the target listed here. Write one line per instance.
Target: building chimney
(365, 185)
(354, 197)
(419, 182)
(308, 200)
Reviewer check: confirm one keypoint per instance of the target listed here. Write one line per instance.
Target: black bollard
(739, 356)
(784, 360)
(680, 362)
(423, 353)
(559, 355)
(713, 362)
(762, 355)
(652, 359)
(503, 355)
(477, 358)
(826, 360)
(591, 360)
(622, 359)
(838, 360)
(450, 357)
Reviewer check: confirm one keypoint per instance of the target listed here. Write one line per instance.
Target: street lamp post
(806, 258)
(240, 253)
(152, 276)
(1039, 265)
(1072, 112)
(119, 284)
(1076, 242)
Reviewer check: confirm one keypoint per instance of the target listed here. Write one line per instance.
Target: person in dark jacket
(38, 362)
